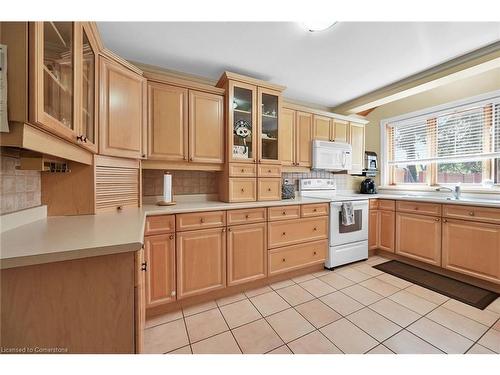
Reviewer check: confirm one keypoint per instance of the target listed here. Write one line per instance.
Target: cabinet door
(121, 111)
(373, 230)
(242, 122)
(139, 301)
(321, 128)
(246, 253)
(357, 141)
(53, 74)
(88, 83)
(472, 248)
(340, 131)
(206, 128)
(201, 261)
(387, 229)
(160, 273)
(304, 138)
(411, 241)
(167, 122)
(287, 136)
(269, 105)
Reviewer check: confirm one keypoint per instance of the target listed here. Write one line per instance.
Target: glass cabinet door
(269, 110)
(58, 72)
(243, 123)
(88, 88)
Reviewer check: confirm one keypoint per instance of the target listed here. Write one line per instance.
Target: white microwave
(331, 156)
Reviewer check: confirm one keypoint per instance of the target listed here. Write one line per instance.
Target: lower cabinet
(386, 226)
(373, 230)
(419, 237)
(201, 261)
(472, 248)
(160, 272)
(297, 256)
(246, 253)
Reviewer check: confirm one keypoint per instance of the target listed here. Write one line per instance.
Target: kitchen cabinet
(269, 189)
(287, 137)
(121, 112)
(472, 248)
(341, 133)
(167, 122)
(269, 110)
(323, 128)
(357, 141)
(411, 241)
(386, 230)
(206, 128)
(201, 261)
(297, 256)
(246, 253)
(373, 230)
(290, 232)
(160, 269)
(304, 125)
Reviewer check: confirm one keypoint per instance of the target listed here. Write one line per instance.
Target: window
(457, 143)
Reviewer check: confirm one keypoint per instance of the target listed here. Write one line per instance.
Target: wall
(183, 182)
(19, 189)
(471, 86)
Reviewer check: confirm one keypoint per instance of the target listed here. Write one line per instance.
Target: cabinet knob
(184, 158)
(314, 253)
(143, 155)
(437, 219)
(228, 229)
(471, 213)
(242, 170)
(283, 260)
(223, 230)
(247, 216)
(255, 160)
(315, 229)
(144, 266)
(242, 190)
(171, 236)
(172, 293)
(283, 234)
(268, 171)
(445, 221)
(283, 213)
(416, 208)
(202, 220)
(268, 189)
(314, 210)
(119, 208)
(191, 159)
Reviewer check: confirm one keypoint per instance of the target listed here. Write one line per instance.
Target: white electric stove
(347, 243)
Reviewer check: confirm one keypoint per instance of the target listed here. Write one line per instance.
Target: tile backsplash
(19, 189)
(183, 182)
(344, 181)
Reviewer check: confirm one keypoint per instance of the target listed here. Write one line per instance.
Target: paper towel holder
(167, 196)
(163, 203)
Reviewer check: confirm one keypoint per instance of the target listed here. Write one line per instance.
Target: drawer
(200, 220)
(387, 205)
(422, 208)
(283, 212)
(242, 170)
(485, 214)
(251, 215)
(269, 170)
(159, 224)
(297, 256)
(373, 204)
(269, 189)
(284, 233)
(242, 189)
(317, 209)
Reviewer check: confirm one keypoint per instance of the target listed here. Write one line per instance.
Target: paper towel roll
(167, 188)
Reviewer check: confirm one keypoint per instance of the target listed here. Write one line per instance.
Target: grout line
(231, 331)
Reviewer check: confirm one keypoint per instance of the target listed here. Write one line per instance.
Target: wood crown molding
(113, 56)
(475, 62)
(229, 76)
(336, 116)
(180, 81)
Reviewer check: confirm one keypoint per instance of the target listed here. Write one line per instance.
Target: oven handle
(354, 203)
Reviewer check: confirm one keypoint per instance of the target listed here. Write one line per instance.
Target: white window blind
(466, 133)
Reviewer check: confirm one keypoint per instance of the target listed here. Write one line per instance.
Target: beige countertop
(62, 238)
(465, 201)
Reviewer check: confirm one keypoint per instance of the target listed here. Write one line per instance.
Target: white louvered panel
(116, 187)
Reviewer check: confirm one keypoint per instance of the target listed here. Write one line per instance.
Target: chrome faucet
(456, 191)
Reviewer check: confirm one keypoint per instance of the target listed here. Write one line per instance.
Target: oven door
(343, 234)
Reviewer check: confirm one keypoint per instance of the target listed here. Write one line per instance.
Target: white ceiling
(327, 68)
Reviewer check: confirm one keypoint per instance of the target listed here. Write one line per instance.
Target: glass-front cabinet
(269, 112)
(64, 80)
(242, 121)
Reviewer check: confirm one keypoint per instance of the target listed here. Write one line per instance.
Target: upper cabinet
(287, 137)
(323, 128)
(121, 113)
(341, 130)
(268, 125)
(304, 139)
(357, 141)
(185, 126)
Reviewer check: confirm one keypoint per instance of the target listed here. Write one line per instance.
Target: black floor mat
(463, 292)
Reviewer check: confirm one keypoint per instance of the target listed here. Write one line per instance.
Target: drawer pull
(437, 219)
(202, 220)
(171, 236)
(445, 221)
(314, 253)
(242, 170)
(247, 216)
(242, 190)
(314, 210)
(223, 230)
(268, 171)
(283, 213)
(268, 189)
(416, 208)
(315, 229)
(283, 234)
(283, 260)
(471, 213)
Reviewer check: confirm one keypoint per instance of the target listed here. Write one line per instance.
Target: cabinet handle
(247, 216)
(416, 208)
(223, 230)
(242, 170)
(228, 229)
(315, 229)
(173, 293)
(314, 210)
(445, 221)
(202, 220)
(119, 208)
(268, 189)
(471, 213)
(171, 236)
(144, 266)
(283, 260)
(268, 171)
(283, 213)
(191, 159)
(242, 190)
(255, 160)
(184, 158)
(283, 234)
(314, 252)
(437, 219)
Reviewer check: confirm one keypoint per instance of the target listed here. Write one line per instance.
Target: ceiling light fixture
(317, 25)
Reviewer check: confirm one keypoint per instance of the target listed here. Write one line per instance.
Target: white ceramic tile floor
(354, 309)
